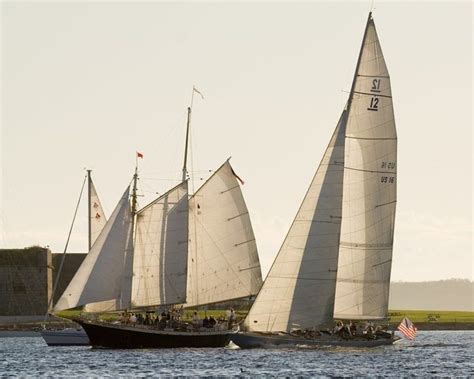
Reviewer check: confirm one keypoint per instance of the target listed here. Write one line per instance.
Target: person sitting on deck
(133, 319)
(212, 322)
(196, 320)
(205, 322)
(352, 328)
(231, 315)
(338, 328)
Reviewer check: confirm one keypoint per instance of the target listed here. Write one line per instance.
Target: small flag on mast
(197, 91)
(407, 328)
(139, 155)
(237, 176)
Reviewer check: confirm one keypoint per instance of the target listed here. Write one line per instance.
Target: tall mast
(134, 191)
(89, 210)
(186, 143)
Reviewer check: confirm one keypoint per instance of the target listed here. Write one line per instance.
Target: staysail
(101, 275)
(161, 250)
(369, 190)
(299, 289)
(97, 214)
(223, 261)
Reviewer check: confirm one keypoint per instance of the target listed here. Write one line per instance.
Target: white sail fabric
(369, 193)
(299, 289)
(97, 215)
(223, 261)
(101, 275)
(161, 250)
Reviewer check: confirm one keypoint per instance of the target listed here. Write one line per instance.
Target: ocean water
(433, 353)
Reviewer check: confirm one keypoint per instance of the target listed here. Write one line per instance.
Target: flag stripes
(407, 328)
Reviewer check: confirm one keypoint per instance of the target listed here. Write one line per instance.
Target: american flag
(407, 328)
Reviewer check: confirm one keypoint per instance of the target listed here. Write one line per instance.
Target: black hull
(127, 337)
(248, 340)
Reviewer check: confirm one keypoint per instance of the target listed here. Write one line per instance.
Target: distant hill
(442, 295)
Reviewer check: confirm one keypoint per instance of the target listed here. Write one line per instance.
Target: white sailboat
(180, 249)
(335, 262)
(96, 221)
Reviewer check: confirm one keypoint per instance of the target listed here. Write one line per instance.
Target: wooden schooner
(180, 249)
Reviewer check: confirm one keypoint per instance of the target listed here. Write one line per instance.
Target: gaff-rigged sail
(161, 250)
(97, 214)
(369, 191)
(299, 289)
(223, 261)
(101, 275)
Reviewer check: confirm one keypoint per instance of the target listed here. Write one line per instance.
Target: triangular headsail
(101, 275)
(299, 289)
(161, 250)
(369, 192)
(223, 261)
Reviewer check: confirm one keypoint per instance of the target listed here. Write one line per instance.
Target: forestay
(105, 272)
(223, 261)
(299, 289)
(369, 191)
(161, 250)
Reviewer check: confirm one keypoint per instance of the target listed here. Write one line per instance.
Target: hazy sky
(87, 84)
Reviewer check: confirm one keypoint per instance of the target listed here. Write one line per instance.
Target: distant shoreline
(440, 326)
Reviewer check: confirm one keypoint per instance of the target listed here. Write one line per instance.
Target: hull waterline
(66, 337)
(104, 335)
(248, 340)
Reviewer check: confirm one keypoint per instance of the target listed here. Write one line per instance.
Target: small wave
(439, 345)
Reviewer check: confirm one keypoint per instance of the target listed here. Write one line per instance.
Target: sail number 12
(374, 100)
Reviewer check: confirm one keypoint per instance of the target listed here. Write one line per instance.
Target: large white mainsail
(100, 276)
(223, 261)
(97, 215)
(161, 250)
(369, 192)
(298, 291)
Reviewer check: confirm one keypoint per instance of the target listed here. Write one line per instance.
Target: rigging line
(372, 94)
(65, 250)
(374, 76)
(372, 171)
(373, 139)
(302, 278)
(391, 202)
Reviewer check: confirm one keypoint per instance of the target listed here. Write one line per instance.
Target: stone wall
(25, 281)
